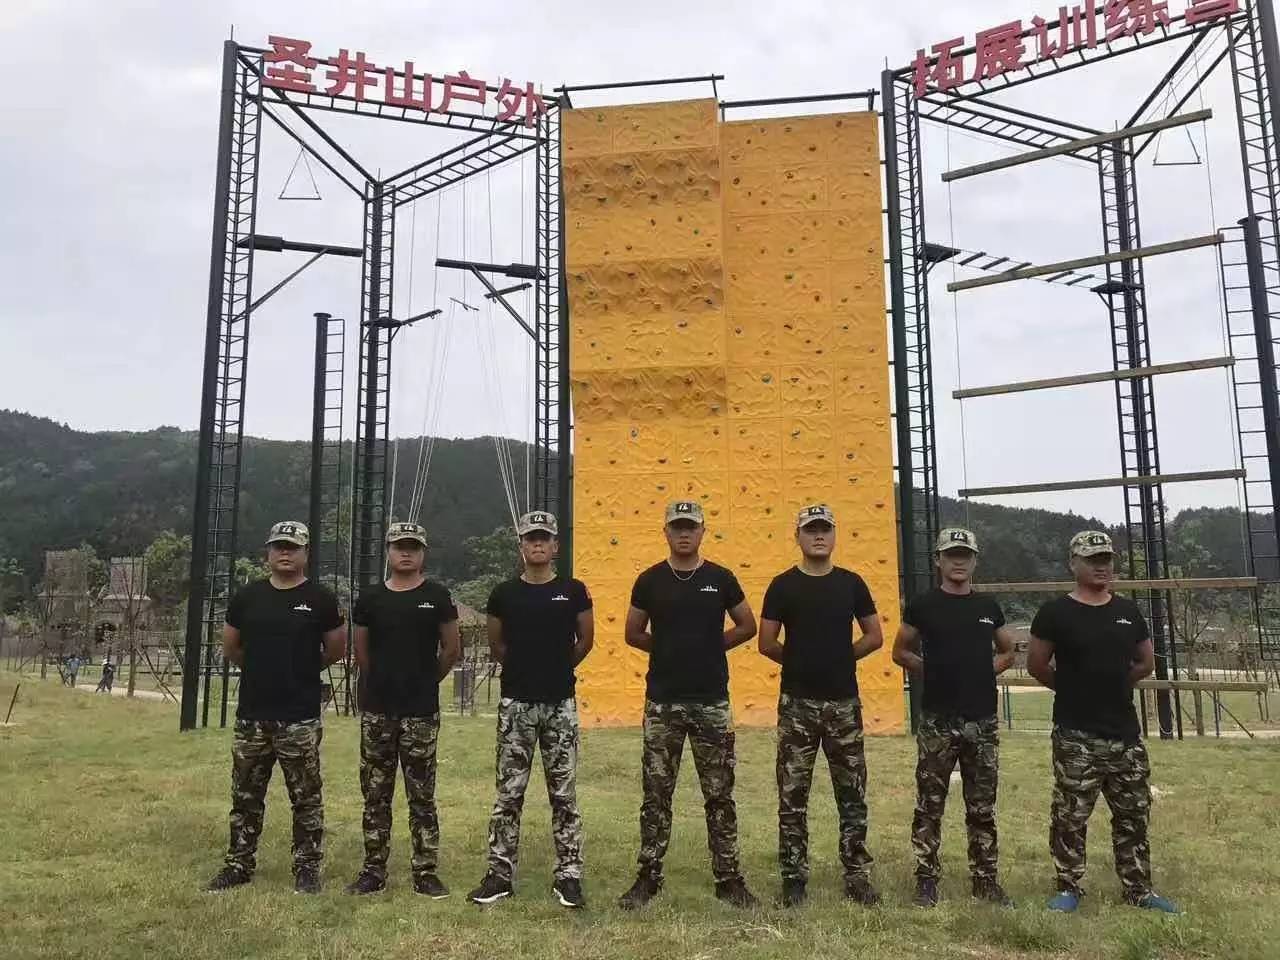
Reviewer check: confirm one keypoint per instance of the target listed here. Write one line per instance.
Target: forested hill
(60, 487)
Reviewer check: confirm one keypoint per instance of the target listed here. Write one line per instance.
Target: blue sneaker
(1065, 901)
(1153, 901)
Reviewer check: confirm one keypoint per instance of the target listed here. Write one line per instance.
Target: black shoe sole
(485, 901)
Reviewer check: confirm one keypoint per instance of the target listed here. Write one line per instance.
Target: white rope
(955, 319)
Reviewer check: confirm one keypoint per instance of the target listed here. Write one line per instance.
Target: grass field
(111, 822)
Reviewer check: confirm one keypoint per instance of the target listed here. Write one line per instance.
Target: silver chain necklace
(687, 577)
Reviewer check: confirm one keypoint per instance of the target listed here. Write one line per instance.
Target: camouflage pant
(410, 743)
(524, 726)
(709, 728)
(836, 725)
(1083, 766)
(255, 748)
(942, 741)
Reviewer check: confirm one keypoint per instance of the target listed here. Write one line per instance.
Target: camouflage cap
(407, 531)
(956, 538)
(815, 513)
(290, 531)
(538, 520)
(685, 510)
(1091, 543)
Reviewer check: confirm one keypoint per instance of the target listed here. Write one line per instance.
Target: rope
(955, 320)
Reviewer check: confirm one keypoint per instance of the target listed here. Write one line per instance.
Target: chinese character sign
(290, 65)
(1014, 46)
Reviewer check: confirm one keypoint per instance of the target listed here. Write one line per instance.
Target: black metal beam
(1264, 337)
(628, 84)
(519, 271)
(487, 158)
(262, 241)
(868, 95)
(314, 517)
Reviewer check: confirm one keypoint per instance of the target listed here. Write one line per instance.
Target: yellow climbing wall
(729, 345)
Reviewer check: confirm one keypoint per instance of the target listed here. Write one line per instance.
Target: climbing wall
(729, 346)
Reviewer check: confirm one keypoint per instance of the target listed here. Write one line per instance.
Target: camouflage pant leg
(252, 758)
(665, 727)
(418, 739)
(980, 777)
(558, 741)
(1126, 786)
(1076, 783)
(842, 742)
(799, 734)
(517, 739)
(379, 752)
(937, 749)
(713, 742)
(297, 747)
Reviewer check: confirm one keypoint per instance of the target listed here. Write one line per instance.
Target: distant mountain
(60, 487)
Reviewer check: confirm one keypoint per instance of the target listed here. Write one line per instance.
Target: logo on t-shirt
(559, 596)
(709, 589)
(1127, 623)
(303, 607)
(426, 606)
(987, 620)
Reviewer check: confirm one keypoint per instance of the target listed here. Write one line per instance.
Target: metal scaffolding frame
(491, 142)
(1248, 44)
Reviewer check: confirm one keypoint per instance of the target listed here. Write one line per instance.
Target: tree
(490, 559)
(247, 571)
(168, 571)
(12, 586)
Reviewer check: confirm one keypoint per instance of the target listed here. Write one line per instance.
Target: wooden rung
(1182, 583)
(1030, 273)
(1149, 481)
(1071, 147)
(1102, 377)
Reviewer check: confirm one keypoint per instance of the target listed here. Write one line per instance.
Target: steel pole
(314, 519)
(1267, 386)
(196, 626)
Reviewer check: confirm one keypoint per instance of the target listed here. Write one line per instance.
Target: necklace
(688, 576)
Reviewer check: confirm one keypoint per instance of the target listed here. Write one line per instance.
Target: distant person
(677, 616)
(406, 637)
(73, 669)
(955, 642)
(813, 607)
(281, 632)
(541, 626)
(1091, 648)
(107, 678)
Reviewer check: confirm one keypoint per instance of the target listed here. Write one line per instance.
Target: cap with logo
(407, 531)
(956, 538)
(538, 520)
(685, 510)
(816, 513)
(290, 531)
(1091, 543)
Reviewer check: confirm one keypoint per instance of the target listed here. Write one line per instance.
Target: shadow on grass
(1014, 929)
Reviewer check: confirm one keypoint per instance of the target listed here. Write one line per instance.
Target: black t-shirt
(686, 620)
(403, 674)
(817, 615)
(282, 634)
(539, 630)
(957, 642)
(1094, 649)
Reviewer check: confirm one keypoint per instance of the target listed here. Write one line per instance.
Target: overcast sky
(106, 183)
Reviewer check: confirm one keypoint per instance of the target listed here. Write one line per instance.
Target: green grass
(111, 822)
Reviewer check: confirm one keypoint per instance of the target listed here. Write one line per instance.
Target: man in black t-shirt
(813, 607)
(406, 636)
(955, 640)
(541, 626)
(282, 632)
(682, 602)
(1091, 647)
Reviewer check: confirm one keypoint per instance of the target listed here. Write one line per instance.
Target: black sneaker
(735, 892)
(227, 878)
(793, 893)
(429, 885)
(569, 892)
(491, 890)
(306, 880)
(368, 882)
(990, 891)
(642, 891)
(860, 890)
(926, 894)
